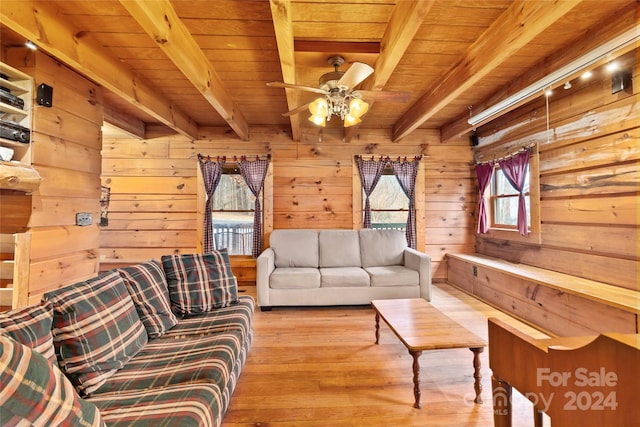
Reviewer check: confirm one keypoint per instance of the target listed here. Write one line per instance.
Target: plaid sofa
(161, 343)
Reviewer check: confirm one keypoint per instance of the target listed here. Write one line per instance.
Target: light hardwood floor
(320, 367)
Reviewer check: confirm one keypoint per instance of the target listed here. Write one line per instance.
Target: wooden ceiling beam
(283, 27)
(405, 21)
(160, 20)
(131, 125)
(516, 27)
(41, 23)
(329, 46)
(623, 21)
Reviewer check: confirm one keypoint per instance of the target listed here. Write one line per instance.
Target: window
(389, 204)
(501, 204)
(233, 213)
(504, 201)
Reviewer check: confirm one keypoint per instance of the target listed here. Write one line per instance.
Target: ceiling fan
(339, 97)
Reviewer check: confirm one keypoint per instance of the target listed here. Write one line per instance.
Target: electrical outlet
(84, 218)
(475, 271)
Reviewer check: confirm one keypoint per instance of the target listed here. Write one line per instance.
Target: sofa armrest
(265, 264)
(421, 263)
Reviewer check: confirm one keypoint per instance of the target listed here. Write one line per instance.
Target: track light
(558, 76)
(586, 75)
(31, 45)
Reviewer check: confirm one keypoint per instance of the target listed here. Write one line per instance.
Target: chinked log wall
(589, 211)
(153, 183)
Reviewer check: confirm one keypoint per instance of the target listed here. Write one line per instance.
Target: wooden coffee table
(420, 326)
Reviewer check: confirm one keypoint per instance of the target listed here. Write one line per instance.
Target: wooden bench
(557, 303)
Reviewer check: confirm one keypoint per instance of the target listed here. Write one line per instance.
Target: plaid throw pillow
(199, 283)
(31, 326)
(96, 329)
(36, 393)
(150, 293)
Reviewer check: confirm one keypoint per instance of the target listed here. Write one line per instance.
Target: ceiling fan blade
(385, 96)
(355, 75)
(292, 86)
(297, 110)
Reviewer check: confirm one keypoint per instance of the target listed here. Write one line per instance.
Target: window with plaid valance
(406, 171)
(253, 171)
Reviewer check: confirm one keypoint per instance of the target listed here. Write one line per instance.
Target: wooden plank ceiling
(187, 64)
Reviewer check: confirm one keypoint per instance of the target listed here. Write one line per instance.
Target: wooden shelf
(21, 85)
(13, 144)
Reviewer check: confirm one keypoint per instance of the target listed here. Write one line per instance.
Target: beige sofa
(304, 267)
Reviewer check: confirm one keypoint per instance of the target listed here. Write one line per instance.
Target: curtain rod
(202, 157)
(507, 156)
(388, 158)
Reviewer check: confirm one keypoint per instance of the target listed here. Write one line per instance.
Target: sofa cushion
(294, 278)
(343, 277)
(96, 329)
(382, 247)
(183, 405)
(199, 283)
(36, 393)
(148, 287)
(31, 326)
(295, 248)
(235, 317)
(393, 275)
(339, 248)
(189, 360)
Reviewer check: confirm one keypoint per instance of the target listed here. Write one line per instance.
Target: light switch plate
(84, 218)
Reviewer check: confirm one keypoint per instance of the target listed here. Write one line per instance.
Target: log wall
(589, 179)
(66, 143)
(153, 207)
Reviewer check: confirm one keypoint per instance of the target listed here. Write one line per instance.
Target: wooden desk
(420, 326)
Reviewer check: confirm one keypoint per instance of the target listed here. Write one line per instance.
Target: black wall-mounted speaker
(621, 81)
(475, 140)
(45, 95)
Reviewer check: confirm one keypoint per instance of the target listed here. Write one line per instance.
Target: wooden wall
(589, 179)
(153, 188)
(66, 143)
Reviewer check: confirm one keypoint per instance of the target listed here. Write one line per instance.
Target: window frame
(493, 198)
(358, 201)
(388, 171)
(511, 234)
(267, 208)
(232, 168)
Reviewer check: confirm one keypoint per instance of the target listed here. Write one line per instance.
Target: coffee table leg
(477, 385)
(377, 327)
(416, 378)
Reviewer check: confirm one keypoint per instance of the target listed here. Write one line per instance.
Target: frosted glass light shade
(349, 120)
(318, 120)
(358, 108)
(319, 107)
